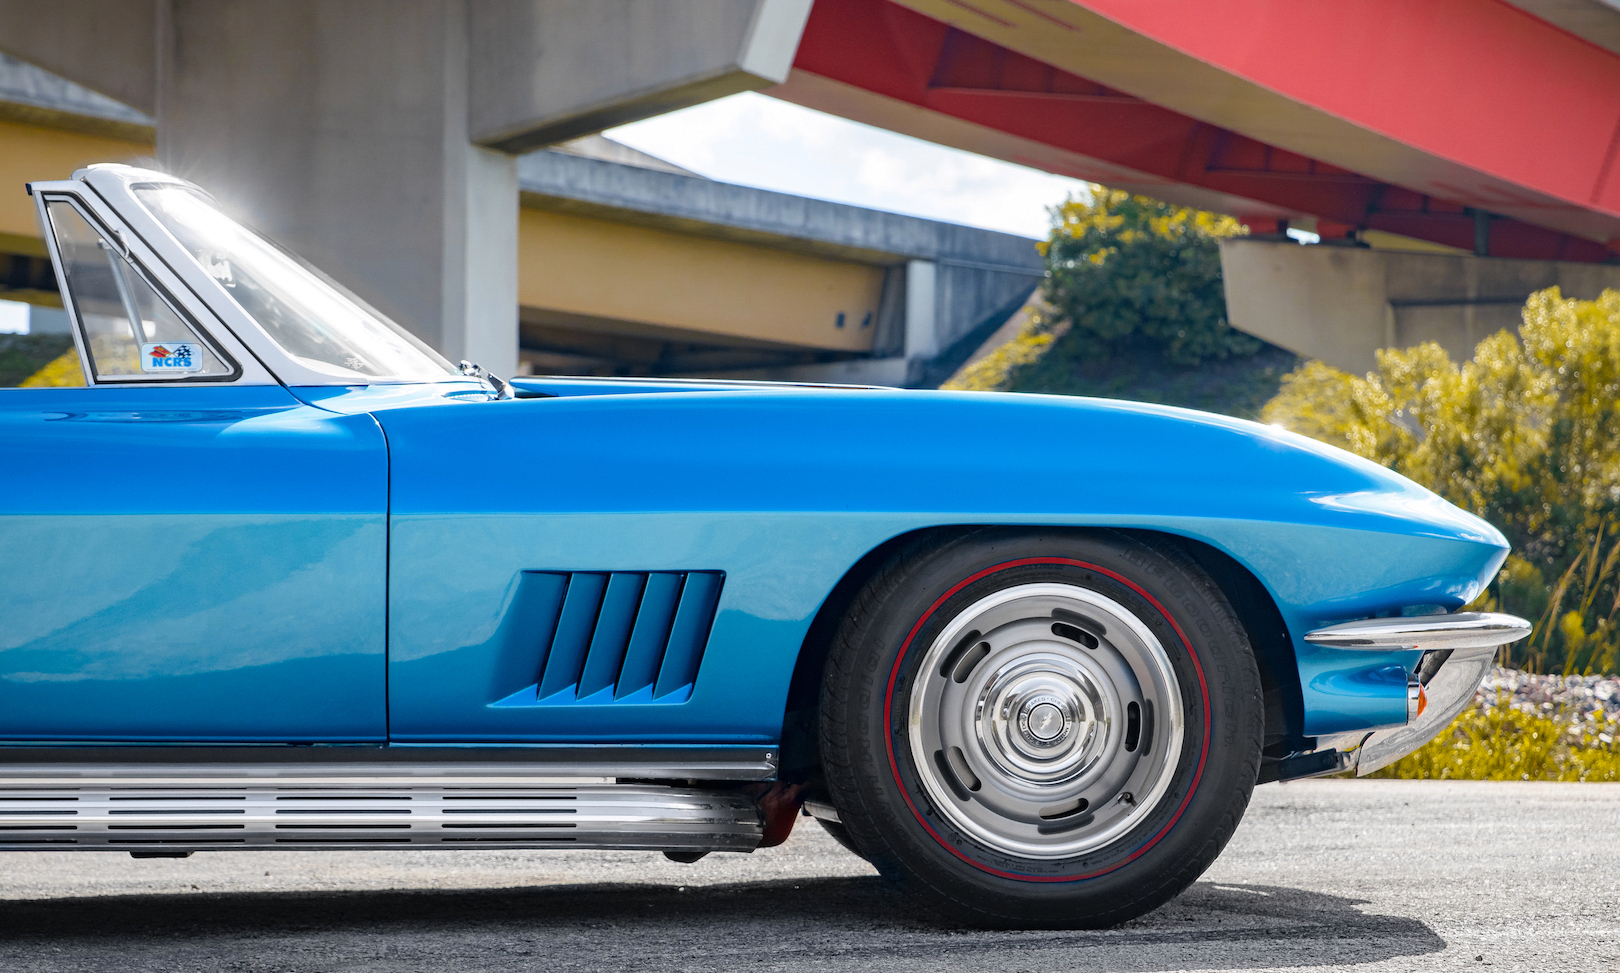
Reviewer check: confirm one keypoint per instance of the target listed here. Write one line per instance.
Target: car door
(188, 553)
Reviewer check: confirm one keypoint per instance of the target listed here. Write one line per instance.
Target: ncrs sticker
(172, 356)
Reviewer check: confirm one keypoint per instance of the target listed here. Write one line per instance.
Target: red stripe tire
(1041, 728)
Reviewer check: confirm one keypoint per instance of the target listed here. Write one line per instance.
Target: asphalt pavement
(1322, 875)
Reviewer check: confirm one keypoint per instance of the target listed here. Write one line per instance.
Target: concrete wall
(1342, 304)
(968, 294)
(341, 130)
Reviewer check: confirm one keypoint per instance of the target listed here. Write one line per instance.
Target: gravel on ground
(1572, 697)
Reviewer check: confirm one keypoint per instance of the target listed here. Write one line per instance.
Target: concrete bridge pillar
(1343, 303)
(341, 130)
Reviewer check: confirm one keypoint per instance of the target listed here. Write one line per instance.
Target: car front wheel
(1042, 729)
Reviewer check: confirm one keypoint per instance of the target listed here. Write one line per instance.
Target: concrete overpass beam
(544, 71)
(105, 45)
(1342, 304)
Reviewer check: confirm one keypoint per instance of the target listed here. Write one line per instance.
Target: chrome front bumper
(1458, 650)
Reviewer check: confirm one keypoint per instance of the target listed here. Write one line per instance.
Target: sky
(759, 141)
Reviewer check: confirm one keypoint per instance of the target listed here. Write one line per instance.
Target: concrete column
(489, 311)
(922, 337)
(340, 127)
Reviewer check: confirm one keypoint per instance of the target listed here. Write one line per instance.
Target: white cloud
(759, 141)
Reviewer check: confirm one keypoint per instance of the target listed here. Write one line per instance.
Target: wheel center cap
(1040, 718)
(1045, 722)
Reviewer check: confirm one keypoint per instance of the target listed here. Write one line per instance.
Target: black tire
(970, 876)
(840, 834)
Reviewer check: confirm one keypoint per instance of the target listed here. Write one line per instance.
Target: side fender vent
(630, 636)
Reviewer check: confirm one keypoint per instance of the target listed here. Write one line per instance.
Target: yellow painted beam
(579, 265)
(32, 153)
(1379, 240)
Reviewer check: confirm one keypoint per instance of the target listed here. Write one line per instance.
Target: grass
(1045, 357)
(22, 355)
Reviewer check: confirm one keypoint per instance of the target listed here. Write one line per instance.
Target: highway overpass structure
(1450, 154)
(628, 265)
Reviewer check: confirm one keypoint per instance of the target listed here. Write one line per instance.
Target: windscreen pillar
(377, 137)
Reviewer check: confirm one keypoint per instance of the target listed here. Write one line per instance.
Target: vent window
(131, 331)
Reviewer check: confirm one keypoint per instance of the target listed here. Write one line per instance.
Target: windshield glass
(312, 317)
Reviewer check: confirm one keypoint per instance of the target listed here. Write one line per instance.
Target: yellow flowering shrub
(63, 370)
(1527, 435)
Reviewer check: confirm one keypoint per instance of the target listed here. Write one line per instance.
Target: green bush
(1128, 272)
(1134, 309)
(1526, 435)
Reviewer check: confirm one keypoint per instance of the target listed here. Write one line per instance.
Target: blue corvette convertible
(278, 576)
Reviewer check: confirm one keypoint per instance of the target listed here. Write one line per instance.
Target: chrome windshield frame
(113, 186)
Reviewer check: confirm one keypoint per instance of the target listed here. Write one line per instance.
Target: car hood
(814, 448)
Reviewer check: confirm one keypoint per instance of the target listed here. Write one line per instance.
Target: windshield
(312, 317)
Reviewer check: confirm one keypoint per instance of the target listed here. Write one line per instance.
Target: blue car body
(278, 575)
(394, 563)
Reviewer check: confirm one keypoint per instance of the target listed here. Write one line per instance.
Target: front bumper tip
(1459, 631)
(1458, 650)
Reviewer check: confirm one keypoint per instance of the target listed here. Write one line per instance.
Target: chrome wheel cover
(1033, 740)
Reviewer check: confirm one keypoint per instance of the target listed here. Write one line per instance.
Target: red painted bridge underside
(1542, 115)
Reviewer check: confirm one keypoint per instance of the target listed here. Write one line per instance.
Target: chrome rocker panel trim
(1459, 650)
(214, 815)
(68, 766)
